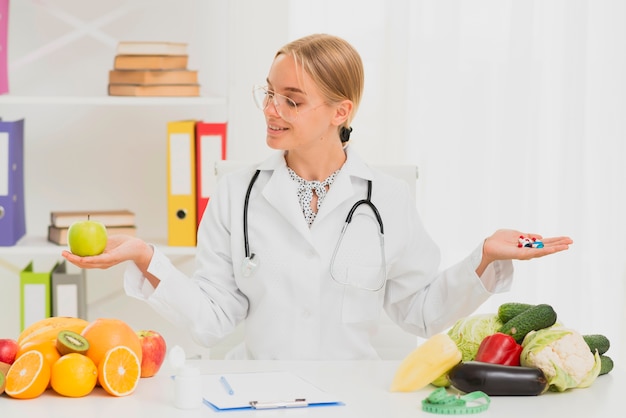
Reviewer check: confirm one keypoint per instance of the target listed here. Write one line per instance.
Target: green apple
(87, 238)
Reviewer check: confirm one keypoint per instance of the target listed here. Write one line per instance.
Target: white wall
(513, 87)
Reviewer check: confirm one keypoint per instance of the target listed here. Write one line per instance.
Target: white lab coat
(292, 306)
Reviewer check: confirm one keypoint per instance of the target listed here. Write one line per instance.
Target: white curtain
(515, 113)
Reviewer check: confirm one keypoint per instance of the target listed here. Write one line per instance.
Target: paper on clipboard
(262, 390)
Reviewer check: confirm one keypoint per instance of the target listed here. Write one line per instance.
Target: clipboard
(262, 390)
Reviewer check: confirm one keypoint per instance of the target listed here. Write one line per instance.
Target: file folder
(12, 215)
(69, 292)
(34, 295)
(262, 390)
(210, 147)
(181, 184)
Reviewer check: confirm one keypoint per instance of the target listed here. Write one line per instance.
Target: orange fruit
(119, 371)
(28, 376)
(47, 348)
(74, 375)
(106, 333)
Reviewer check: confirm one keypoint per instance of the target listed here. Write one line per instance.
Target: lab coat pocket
(361, 305)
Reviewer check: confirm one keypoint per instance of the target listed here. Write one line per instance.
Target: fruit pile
(72, 356)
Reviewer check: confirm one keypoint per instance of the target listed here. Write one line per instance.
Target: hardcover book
(150, 62)
(149, 77)
(154, 90)
(58, 235)
(151, 48)
(64, 219)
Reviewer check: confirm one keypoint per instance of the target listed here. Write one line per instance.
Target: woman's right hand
(119, 248)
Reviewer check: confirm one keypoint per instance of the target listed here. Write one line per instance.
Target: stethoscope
(251, 261)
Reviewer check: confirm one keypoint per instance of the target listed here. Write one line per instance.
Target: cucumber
(497, 379)
(606, 364)
(532, 319)
(597, 342)
(508, 311)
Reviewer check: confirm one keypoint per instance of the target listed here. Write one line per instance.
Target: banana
(427, 362)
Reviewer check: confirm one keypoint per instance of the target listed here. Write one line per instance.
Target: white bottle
(187, 381)
(187, 388)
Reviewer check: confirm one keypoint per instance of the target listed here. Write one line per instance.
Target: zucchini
(532, 319)
(508, 311)
(597, 342)
(606, 364)
(497, 379)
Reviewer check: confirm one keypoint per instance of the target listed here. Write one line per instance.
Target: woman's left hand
(504, 245)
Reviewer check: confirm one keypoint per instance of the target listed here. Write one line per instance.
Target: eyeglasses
(285, 106)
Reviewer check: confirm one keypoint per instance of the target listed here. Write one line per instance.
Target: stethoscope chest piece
(249, 265)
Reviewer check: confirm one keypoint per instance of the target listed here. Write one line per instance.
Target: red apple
(153, 349)
(8, 350)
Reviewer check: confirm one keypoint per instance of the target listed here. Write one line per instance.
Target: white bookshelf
(112, 100)
(87, 150)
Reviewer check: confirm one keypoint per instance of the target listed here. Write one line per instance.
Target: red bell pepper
(499, 348)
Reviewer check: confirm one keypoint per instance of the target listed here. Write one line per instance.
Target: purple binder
(12, 216)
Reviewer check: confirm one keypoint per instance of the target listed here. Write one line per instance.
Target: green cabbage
(467, 333)
(470, 331)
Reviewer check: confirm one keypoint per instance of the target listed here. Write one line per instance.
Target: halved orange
(119, 371)
(46, 347)
(28, 376)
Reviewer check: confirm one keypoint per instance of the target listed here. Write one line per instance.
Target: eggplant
(497, 379)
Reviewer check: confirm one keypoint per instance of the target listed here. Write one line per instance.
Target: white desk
(363, 386)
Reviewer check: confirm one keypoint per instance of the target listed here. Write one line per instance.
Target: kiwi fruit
(71, 342)
(3, 382)
(4, 368)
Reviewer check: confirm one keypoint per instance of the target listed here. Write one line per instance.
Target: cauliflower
(563, 356)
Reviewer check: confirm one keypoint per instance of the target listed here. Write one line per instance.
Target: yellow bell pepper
(427, 362)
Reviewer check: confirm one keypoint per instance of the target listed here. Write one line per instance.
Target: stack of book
(116, 222)
(152, 69)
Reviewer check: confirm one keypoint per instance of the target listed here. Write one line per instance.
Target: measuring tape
(440, 402)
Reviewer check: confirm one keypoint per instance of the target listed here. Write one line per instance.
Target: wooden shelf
(39, 245)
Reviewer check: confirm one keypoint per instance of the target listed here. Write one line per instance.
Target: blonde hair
(333, 64)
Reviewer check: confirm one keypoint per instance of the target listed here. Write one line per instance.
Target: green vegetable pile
(567, 358)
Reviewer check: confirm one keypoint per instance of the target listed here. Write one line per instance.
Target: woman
(304, 293)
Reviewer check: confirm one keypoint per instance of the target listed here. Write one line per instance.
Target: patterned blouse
(305, 193)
